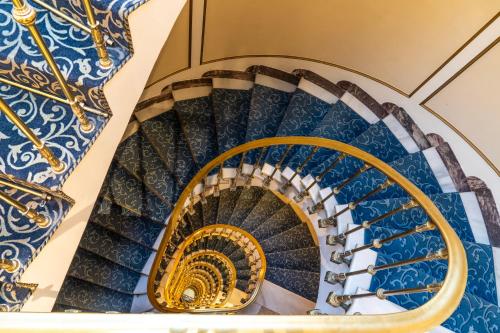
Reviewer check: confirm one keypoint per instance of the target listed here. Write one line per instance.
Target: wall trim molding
(464, 137)
(460, 49)
(463, 69)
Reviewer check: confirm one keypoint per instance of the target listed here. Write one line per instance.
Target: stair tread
(302, 283)
(230, 108)
(377, 140)
(282, 220)
(21, 238)
(210, 210)
(129, 193)
(109, 274)
(305, 259)
(13, 296)
(197, 123)
(341, 123)
(268, 205)
(141, 160)
(473, 314)
(481, 279)
(246, 201)
(86, 295)
(114, 247)
(414, 167)
(303, 113)
(227, 202)
(165, 134)
(449, 204)
(141, 229)
(294, 238)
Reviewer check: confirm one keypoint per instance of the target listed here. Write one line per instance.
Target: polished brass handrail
(45, 151)
(421, 319)
(200, 233)
(25, 15)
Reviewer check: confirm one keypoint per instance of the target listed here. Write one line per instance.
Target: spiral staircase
(228, 183)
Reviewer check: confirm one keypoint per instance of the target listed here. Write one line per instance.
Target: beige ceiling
(471, 103)
(174, 55)
(398, 42)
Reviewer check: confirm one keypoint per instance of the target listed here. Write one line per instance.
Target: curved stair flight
(334, 229)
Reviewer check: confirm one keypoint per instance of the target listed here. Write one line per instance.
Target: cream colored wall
(412, 46)
(471, 102)
(398, 42)
(175, 52)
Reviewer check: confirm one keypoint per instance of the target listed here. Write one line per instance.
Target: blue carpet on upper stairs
(377, 140)
(414, 167)
(21, 238)
(165, 135)
(197, 122)
(231, 108)
(449, 204)
(303, 114)
(341, 123)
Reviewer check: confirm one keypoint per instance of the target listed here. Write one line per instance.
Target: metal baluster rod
(336, 190)
(39, 219)
(96, 33)
(334, 278)
(332, 220)
(299, 197)
(341, 238)
(345, 300)
(339, 257)
(239, 170)
(277, 167)
(256, 166)
(299, 169)
(26, 15)
(25, 189)
(46, 152)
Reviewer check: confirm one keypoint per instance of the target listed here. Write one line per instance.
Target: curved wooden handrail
(421, 319)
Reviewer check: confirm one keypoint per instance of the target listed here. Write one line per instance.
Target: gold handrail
(196, 235)
(54, 162)
(26, 15)
(421, 319)
(96, 33)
